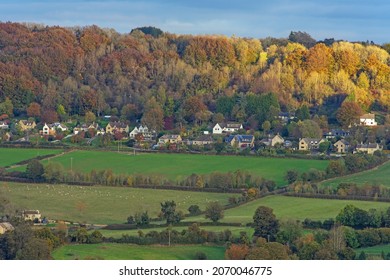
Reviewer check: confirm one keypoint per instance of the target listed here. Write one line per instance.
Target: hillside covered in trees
(170, 80)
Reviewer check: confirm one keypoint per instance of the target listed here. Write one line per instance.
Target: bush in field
(34, 170)
(214, 211)
(54, 172)
(139, 219)
(194, 210)
(95, 237)
(200, 256)
(168, 211)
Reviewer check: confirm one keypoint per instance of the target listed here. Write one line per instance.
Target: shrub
(200, 256)
(194, 210)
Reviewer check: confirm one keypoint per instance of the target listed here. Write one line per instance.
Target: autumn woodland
(170, 80)
(291, 137)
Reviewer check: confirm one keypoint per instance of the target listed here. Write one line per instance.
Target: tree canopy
(265, 223)
(87, 70)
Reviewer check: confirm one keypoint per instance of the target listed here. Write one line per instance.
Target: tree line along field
(179, 166)
(10, 156)
(235, 230)
(114, 251)
(377, 176)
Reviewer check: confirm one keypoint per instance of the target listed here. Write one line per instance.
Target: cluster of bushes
(353, 217)
(82, 236)
(139, 219)
(289, 241)
(352, 189)
(351, 163)
(312, 175)
(342, 191)
(231, 180)
(26, 243)
(192, 235)
(361, 161)
(371, 237)
(357, 218)
(312, 224)
(330, 239)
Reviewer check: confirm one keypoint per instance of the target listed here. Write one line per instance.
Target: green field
(179, 166)
(10, 156)
(107, 205)
(135, 252)
(134, 232)
(379, 175)
(294, 208)
(374, 250)
(100, 205)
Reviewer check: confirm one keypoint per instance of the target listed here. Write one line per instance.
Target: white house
(144, 130)
(48, 130)
(227, 128)
(31, 215)
(368, 120)
(59, 126)
(51, 129)
(217, 129)
(4, 125)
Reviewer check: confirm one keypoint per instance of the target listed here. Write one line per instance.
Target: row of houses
(143, 133)
(23, 125)
(341, 146)
(247, 141)
(240, 141)
(112, 127)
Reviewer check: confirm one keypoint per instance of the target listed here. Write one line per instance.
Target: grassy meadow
(294, 208)
(100, 205)
(107, 205)
(374, 250)
(136, 252)
(379, 175)
(179, 166)
(10, 156)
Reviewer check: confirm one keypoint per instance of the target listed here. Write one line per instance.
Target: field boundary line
(50, 157)
(353, 174)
